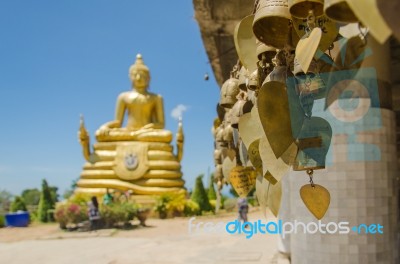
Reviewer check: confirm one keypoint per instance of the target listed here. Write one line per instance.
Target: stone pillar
(362, 192)
(361, 175)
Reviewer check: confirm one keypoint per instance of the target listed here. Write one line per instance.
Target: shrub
(70, 213)
(213, 204)
(199, 195)
(18, 204)
(176, 204)
(118, 213)
(2, 221)
(46, 203)
(191, 208)
(161, 204)
(80, 198)
(212, 195)
(60, 215)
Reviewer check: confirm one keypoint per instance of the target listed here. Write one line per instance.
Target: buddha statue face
(139, 74)
(140, 80)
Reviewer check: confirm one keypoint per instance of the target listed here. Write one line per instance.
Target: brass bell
(281, 71)
(339, 10)
(219, 134)
(218, 176)
(301, 8)
(227, 134)
(268, 51)
(237, 109)
(299, 73)
(221, 112)
(243, 78)
(217, 156)
(271, 22)
(229, 91)
(253, 81)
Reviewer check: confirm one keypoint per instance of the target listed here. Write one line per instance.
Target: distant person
(243, 207)
(107, 198)
(94, 214)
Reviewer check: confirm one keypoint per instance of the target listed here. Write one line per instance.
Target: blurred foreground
(162, 241)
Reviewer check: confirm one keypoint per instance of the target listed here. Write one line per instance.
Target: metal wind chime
(265, 124)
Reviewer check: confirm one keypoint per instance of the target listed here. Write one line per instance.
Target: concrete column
(361, 175)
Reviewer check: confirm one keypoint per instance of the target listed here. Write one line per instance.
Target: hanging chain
(255, 6)
(310, 22)
(363, 33)
(310, 173)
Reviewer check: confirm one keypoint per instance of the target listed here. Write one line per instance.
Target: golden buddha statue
(137, 157)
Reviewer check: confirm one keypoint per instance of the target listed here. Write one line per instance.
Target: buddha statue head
(139, 74)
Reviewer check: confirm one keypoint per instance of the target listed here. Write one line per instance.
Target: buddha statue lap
(137, 157)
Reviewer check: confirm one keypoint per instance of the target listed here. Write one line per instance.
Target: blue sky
(59, 59)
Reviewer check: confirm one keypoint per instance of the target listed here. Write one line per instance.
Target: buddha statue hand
(148, 126)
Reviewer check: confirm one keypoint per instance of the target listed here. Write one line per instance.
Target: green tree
(46, 203)
(31, 196)
(69, 192)
(18, 204)
(212, 195)
(5, 200)
(199, 195)
(54, 194)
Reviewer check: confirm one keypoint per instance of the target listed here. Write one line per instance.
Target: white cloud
(177, 112)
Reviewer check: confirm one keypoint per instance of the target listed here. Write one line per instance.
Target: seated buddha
(138, 156)
(145, 112)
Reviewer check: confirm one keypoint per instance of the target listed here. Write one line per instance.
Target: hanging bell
(227, 134)
(217, 156)
(253, 81)
(301, 8)
(281, 71)
(218, 176)
(300, 74)
(221, 112)
(268, 51)
(219, 135)
(243, 78)
(271, 22)
(229, 91)
(237, 109)
(313, 141)
(339, 10)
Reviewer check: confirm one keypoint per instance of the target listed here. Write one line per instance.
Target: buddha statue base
(145, 168)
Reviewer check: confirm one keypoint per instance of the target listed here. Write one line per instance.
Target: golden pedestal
(145, 168)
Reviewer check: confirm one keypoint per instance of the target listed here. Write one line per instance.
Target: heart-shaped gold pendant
(231, 153)
(273, 169)
(250, 128)
(243, 180)
(227, 166)
(316, 198)
(245, 43)
(275, 197)
(274, 114)
(315, 138)
(307, 47)
(254, 155)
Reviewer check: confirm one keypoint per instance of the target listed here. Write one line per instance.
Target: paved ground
(163, 242)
